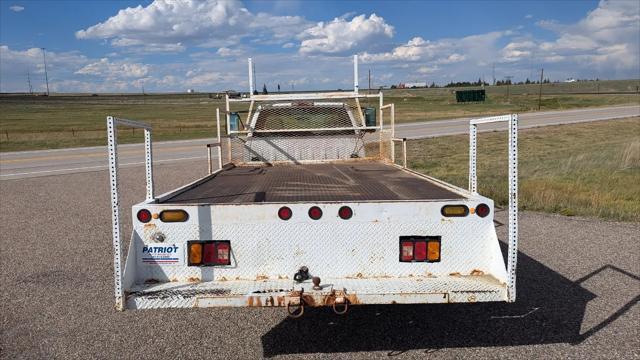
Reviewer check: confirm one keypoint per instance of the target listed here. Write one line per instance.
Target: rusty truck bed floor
(348, 181)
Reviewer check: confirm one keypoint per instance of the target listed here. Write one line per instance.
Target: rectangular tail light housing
(209, 252)
(420, 248)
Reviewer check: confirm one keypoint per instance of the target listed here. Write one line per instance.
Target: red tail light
(420, 251)
(345, 213)
(144, 216)
(483, 210)
(209, 253)
(284, 213)
(315, 213)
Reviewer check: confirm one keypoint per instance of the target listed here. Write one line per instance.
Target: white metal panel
(365, 246)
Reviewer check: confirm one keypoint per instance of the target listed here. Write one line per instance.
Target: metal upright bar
(513, 206)
(355, 74)
(210, 166)
(112, 149)
(227, 109)
(148, 163)
(393, 132)
(473, 142)
(404, 152)
(513, 188)
(219, 139)
(115, 210)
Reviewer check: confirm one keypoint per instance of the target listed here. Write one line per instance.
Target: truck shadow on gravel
(550, 309)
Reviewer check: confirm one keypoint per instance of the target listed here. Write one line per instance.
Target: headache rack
(306, 127)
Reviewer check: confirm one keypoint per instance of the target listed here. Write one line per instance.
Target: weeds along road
(54, 162)
(578, 289)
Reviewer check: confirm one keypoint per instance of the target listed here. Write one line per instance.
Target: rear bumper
(411, 290)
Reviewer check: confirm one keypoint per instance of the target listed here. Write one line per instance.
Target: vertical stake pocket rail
(512, 120)
(112, 149)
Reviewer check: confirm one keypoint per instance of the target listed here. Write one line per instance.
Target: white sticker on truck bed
(161, 254)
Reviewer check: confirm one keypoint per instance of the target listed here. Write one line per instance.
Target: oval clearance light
(482, 210)
(144, 216)
(174, 216)
(315, 213)
(454, 210)
(345, 213)
(284, 213)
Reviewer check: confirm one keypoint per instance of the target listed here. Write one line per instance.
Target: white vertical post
(228, 108)
(393, 132)
(404, 153)
(473, 142)
(513, 207)
(250, 77)
(355, 74)
(148, 163)
(381, 105)
(219, 139)
(210, 167)
(115, 210)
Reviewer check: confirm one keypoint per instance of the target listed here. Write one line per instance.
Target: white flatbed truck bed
(283, 224)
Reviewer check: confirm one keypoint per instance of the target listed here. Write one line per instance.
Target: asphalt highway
(578, 291)
(26, 164)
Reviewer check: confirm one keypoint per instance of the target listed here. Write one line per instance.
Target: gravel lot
(578, 292)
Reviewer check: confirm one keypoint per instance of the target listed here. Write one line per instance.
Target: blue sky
(122, 46)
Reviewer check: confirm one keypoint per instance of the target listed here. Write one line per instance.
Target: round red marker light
(483, 210)
(315, 213)
(345, 213)
(285, 213)
(144, 216)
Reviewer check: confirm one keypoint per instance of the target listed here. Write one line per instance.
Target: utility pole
(508, 81)
(494, 73)
(46, 76)
(369, 90)
(29, 82)
(540, 90)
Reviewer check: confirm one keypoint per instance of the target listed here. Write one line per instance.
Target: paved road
(51, 162)
(578, 290)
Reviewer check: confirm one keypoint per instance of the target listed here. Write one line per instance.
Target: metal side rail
(512, 120)
(112, 148)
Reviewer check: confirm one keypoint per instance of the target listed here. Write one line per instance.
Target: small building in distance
(190, 91)
(412, 85)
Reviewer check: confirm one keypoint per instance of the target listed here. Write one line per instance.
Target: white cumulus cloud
(109, 70)
(16, 8)
(341, 35)
(168, 25)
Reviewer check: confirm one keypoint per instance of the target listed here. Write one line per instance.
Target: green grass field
(30, 122)
(588, 169)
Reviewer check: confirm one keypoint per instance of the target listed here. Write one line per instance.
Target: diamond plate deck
(353, 181)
